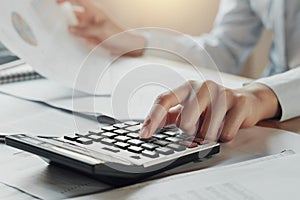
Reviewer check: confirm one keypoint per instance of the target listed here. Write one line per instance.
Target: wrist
(267, 103)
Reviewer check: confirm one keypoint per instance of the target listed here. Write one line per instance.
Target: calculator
(116, 154)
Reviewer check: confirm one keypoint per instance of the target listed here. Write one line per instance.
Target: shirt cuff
(286, 87)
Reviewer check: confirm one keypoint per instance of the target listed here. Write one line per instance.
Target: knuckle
(226, 137)
(163, 99)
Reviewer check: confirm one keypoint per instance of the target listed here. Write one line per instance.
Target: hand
(95, 27)
(211, 111)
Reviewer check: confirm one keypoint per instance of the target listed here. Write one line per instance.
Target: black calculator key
(149, 146)
(109, 134)
(109, 128)
(164, 150)
(134, 135)
(131, 123)
(120, 125)
(135, 149)
(71, 137)
(122, 138)
(121, 131)
(96, 138)
(173, 139)
(135, 142)
(161, 143)
(159, 136)
(84, 141)
(176, 147)
(150, 154)
(122, 145)
(108, 141)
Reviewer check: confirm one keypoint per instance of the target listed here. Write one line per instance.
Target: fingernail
(144, 132)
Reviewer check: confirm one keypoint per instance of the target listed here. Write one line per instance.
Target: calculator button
(121, 125)
(121, 131)
(170, 133)
(134, 128)
(159, 136)
(122, 138)
(96, 131)
(135, 149)
(161, 143)
(96, 138)
(109, 128)
(131, 123)
(150, 154)
(71, 137)
(188, 144)
(176, 147)
(109, 134)
(84, 141)
(108, 141)
(164, 150)
(148, 146)
(172, 139)
(122, 145)
(134, 135)
(135, 142)
(82, 134)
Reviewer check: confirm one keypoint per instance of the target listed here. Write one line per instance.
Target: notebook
(17, 73)
(13, 69)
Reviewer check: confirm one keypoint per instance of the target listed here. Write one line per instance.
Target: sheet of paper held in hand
(37, 31)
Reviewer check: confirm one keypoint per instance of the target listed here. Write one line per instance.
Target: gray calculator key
(133, 135)
(120, 125)
(161, 143)
(135, 142)
(134, 128)
(159, 136)
(170, 133)
(84, 141)
(108, 141)
(122, 145)
(121, 131)
(173, 139)
(176, 147)
(131, 123)
(109, 128)
(149, 146)
(96, 131)
(164, 150)
(135, 149)
(122, 138)
(95, 137)
(150, 154)
(109, 134)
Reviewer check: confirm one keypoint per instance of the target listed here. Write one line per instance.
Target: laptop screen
(7, 59)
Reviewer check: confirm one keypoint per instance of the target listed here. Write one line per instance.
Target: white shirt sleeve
(236, 31)
(286, 86)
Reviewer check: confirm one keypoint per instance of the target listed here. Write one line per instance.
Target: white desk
(250, 143)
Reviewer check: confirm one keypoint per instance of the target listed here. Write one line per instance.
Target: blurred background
(193, 17)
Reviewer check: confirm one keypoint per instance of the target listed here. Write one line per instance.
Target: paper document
(273, 177)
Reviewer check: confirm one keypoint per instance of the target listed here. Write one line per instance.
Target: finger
(87, 32)
(214, 117)
(92, 11)
(171, 117)
(193, 108)
(161, 107)
(233, 120)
